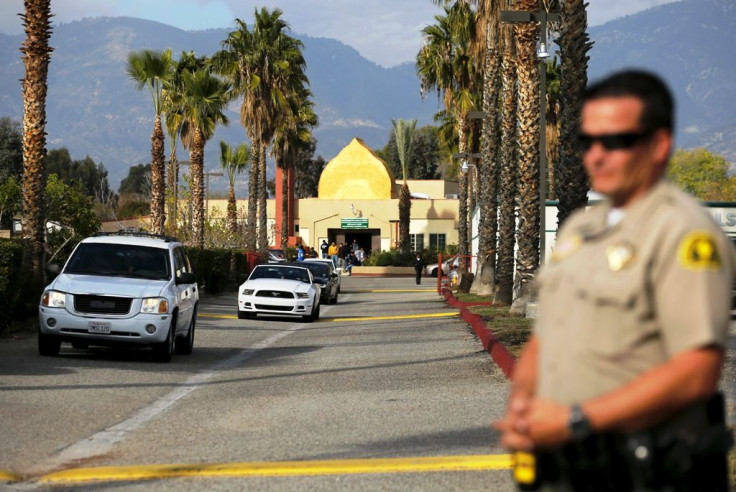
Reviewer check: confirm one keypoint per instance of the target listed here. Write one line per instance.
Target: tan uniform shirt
(618, 300)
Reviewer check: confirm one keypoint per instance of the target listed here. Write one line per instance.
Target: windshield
(317, 269)
(120, 260)
(287, 273)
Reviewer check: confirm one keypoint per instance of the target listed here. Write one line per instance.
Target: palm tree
(264, 66)
(571, 182)
(293, 134)
(173, 119)
(404, 131)
(203, 100)
(36, 56)
(553, 124)
(445, 63)
(527, 260)
(233, 162)
(503, 294)
(153, 69)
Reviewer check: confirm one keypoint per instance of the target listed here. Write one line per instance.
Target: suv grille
(102, 304)
(275, 294)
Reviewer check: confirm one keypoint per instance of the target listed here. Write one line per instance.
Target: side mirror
(334, 275)
(53, 268)
(186, 278)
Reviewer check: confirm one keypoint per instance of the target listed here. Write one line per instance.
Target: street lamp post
(541, 16)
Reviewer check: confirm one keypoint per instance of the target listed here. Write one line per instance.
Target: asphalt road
(387, 373)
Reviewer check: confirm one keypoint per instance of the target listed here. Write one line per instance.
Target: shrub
(18, 291)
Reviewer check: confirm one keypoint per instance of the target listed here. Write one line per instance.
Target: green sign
(354, 223)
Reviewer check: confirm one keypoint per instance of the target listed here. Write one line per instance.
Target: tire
(48, 345)
(314, 315)
(433, 273)
(245, 315)
(162, 352)
(183, 345)
(334, 301)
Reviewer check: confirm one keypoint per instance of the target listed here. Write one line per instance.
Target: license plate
(98, 327)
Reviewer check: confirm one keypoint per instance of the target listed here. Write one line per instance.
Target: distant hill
(690, 43)
(93, 108)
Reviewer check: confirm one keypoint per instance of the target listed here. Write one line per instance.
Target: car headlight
(248, 292)
(324, 286)
(302, 295)
(53, 298)
(155, 305)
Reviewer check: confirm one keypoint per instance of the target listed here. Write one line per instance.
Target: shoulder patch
(698, 251)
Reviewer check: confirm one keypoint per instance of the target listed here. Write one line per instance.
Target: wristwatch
(579, 424)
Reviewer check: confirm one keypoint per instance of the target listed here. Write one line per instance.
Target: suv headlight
(248, 292)
(302, 295)
(53, 298)
(155, 305)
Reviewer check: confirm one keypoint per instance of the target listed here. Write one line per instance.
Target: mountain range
(93, 108)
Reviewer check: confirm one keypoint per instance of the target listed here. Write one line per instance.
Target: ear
(662, 142)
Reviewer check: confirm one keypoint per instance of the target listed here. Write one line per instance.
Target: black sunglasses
(611, 141)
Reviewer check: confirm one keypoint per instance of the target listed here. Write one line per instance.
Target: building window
(437, 241)
(416, 241)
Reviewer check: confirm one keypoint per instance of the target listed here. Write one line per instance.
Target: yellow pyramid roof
(356, 173)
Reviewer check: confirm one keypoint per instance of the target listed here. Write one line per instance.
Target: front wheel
(48, 345)
(183, 345)
(163, 351)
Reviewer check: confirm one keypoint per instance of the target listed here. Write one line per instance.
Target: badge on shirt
(698, 251)
(620, 256)
(566, 248)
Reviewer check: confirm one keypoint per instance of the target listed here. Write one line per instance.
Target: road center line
(103, 441)
(283, 468)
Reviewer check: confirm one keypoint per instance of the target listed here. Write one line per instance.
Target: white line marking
(105, 440)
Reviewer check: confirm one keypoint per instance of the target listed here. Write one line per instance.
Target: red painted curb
(503, 359)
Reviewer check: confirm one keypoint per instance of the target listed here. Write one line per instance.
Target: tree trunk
(173, 190)
(488, 170)
(252, 231)
(196, 156)
(462, 212)
(284, 207)
(527, 260)
(232, 214)
(158, 188)
(36, 56)
(404, 218)
(507, 179)
(263, 235)
(571, 182)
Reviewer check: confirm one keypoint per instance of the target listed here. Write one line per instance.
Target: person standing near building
(616, 388)
(332, 251)
(300, 253)
(419, 267)
(323, 248)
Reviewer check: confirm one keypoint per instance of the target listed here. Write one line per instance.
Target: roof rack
(135, 232)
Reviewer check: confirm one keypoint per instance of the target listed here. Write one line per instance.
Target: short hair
(659, 105)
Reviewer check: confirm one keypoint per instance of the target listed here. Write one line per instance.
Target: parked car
(337, 270)
(432, 269)
(282, 290)
(125, 288)
(276, 256)
(325, 276)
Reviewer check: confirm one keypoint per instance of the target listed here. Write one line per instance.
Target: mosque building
(358, 199)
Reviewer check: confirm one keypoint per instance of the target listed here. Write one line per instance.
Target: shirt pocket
(612, 315)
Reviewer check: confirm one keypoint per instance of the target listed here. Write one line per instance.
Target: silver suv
(121, 289)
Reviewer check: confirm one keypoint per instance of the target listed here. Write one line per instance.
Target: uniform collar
(597, 222)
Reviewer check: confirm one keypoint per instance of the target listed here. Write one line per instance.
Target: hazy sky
(387, 32)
